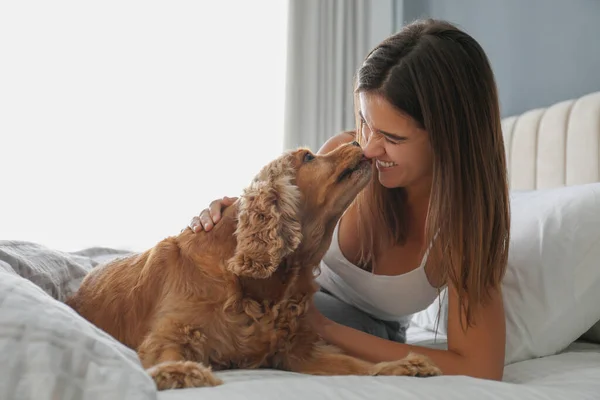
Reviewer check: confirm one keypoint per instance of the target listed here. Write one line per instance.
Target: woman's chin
(389, 182)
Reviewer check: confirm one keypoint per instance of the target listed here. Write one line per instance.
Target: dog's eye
(308, 157)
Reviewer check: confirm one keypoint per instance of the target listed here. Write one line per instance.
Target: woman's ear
(268, 227)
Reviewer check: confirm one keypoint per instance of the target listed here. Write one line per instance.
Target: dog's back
(123, 296)
(118, 298)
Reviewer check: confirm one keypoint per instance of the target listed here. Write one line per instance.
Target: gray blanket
(47, 351)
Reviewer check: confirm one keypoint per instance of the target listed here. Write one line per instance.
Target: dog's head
(291, 206)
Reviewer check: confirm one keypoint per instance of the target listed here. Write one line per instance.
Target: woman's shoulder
(335, 141)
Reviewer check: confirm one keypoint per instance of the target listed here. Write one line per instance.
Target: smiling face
(399, 146)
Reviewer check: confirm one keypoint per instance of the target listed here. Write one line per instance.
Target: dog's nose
(355, 143)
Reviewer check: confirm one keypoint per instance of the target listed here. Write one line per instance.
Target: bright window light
(121, 120)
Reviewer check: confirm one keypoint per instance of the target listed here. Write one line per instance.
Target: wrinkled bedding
(49, 352)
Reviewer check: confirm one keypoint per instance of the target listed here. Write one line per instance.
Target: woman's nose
(372, 149)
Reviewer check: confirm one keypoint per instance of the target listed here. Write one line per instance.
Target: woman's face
(399, 146)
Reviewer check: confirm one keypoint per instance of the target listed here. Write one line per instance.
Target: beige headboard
(554, 146)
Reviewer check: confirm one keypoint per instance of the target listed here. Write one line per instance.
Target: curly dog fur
(237, 296)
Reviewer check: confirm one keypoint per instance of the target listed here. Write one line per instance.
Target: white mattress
(73, 359)
(573, 374)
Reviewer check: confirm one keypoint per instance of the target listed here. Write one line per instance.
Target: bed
(573, 374)
(48, 352)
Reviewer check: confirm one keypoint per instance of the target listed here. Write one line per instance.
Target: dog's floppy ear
(268, 227)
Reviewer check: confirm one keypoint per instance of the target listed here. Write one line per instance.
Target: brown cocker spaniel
(236, 297)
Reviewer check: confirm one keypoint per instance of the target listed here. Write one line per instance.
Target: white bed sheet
(574, 374)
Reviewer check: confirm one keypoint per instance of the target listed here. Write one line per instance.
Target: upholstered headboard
(554, 146)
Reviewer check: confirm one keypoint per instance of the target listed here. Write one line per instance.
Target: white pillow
(593, 334)
(552, 283)
(47, 351)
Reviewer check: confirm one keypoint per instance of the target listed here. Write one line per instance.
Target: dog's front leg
(166, 364)
(328, 360)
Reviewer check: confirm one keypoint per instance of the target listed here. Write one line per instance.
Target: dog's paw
(412, 365)
(182, 374)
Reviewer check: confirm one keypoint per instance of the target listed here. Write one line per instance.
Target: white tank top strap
(391, 298)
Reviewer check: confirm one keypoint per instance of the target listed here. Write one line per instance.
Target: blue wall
(542, 51)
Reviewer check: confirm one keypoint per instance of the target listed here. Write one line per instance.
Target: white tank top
(389, 298)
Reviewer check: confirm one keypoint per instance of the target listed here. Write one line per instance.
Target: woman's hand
(211, 215)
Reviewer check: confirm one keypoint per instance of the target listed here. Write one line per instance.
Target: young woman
(436, 214)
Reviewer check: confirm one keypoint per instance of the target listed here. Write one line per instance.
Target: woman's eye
(308, 157)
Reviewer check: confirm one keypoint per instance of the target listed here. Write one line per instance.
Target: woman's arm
(477, 352)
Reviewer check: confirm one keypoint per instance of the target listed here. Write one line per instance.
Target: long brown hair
(441, 77)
